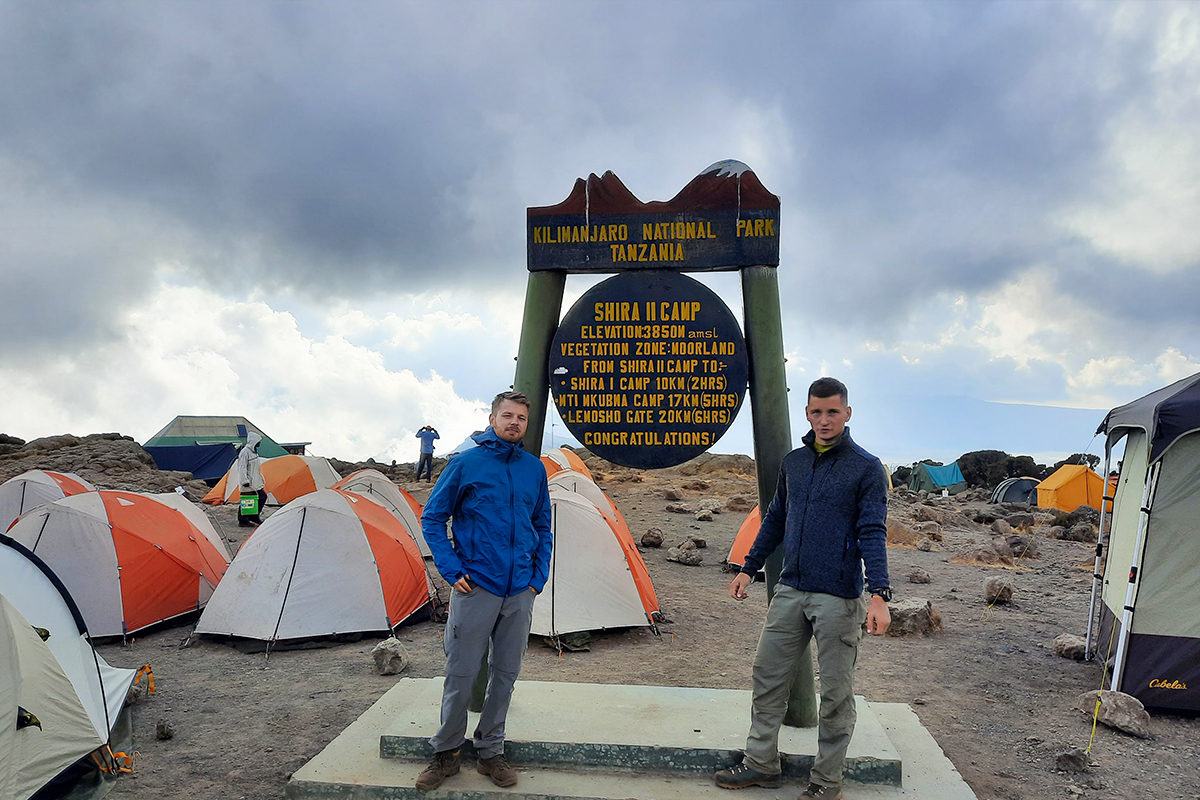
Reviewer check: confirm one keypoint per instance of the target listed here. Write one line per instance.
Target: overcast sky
(313, 214)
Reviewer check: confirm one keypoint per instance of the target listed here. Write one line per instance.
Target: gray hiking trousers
(794, 619)
(477, 619)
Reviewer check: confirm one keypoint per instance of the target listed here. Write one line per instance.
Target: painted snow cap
(34, 488)
(328, 563)
(127, 559)
(375, 485)
(729, 168)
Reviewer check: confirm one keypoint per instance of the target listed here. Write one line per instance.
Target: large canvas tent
(205, 446)
(1150, 596)
(61, 680)
(129, 560)
(329, 563)
(1069, 487)
(35, 488)
(287, 477)
(591, 584)
(374, 484)
(934, 479)
(1015, 490)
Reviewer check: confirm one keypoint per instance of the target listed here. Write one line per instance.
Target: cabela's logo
(1163, 684)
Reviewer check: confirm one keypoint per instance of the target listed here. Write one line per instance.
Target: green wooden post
(773, 441)
(543, 305)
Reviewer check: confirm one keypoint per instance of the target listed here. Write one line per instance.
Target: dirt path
(990, 688)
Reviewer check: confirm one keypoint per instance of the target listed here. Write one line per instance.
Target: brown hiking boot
(739, 776)
(816, 791)
(498, 770)
(444, 765)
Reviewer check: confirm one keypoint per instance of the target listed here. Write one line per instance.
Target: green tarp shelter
(934, 479)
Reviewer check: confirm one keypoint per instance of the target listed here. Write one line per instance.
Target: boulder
(1056, 532)
(984, 517)
(932, 530)
(164, 730)
(1117, 710)
(1081, 532)
(1073, 760)
(741, 503)
(918, 575)
(652, 538)
(913, 617)
(135, 693)
(997, 590)
(1001, 527)
(390, 657)
(696, 486)
(924, 513)
(686, 544)
(925, 545)
(704, 515)
(689, 558)
(1068, 645)
(983, 555)
(1022, 520)
(899, 533)
(713, 504)
(671, 493)
(1000, 545)
(680, 508)
(1022, 546)
(699, 542)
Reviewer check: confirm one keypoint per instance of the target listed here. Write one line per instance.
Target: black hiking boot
(739, 776)
(444, 765)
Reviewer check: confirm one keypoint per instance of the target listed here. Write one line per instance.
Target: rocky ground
(986, 680)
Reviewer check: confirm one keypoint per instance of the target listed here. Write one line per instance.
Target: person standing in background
(250, 482)
(426, 435)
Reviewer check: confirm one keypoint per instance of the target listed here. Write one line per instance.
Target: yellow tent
(1071, 486)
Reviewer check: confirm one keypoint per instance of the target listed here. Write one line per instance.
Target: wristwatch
(885, 593)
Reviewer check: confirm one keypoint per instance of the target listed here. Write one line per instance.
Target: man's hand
(878, 616)
(463, 584)
(737, 587)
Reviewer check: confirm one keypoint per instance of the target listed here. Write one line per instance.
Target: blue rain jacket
(498, 497)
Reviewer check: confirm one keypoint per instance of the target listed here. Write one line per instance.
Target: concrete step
(656, 728)
(350, 767)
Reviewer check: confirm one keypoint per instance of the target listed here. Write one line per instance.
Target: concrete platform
(633, 727)
(352, 766)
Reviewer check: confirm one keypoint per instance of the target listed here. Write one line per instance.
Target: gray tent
(1016, 490)
(1151, 582)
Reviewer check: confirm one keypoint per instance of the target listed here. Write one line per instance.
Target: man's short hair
(516, 397)
(828, 387)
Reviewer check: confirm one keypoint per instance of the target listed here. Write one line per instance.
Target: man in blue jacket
(829, 512)
(496, 565)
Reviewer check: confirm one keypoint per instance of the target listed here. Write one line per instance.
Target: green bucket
(249, 505)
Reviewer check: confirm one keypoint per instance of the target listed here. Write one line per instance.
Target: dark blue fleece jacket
(830, 512)
(500, 503)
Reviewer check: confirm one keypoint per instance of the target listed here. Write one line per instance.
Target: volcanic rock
(1117, 710)
(913, 617)
(390, 657)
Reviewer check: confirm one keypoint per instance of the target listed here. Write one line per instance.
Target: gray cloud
(337, 148)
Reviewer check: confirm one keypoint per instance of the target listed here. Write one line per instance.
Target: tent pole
(1127, 614)
(1087, 649)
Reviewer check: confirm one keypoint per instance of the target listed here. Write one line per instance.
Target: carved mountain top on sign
(724, 186)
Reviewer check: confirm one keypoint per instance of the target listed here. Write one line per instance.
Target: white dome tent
(374, 484)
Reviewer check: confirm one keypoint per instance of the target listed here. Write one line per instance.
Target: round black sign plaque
(648, 369)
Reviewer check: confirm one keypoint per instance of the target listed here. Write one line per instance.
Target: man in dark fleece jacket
(829, 512)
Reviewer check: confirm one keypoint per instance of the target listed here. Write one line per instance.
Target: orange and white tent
(374, 484)
(127, 559)
(36, 488)
(591, 584)
(744, 539)
(329, 563)
(565, 459)
(198, 518)
(580, 484)
(287, 477)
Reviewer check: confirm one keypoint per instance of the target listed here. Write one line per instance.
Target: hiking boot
(739, 776)
(498, 770)
(816, 791)
(444, 765)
